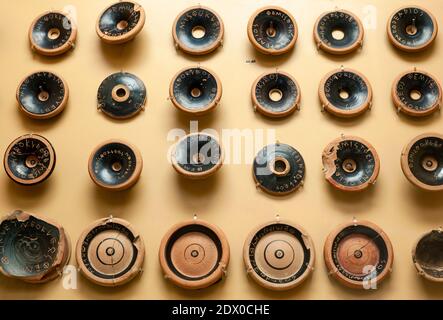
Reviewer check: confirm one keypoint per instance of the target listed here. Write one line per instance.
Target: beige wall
(161, 198)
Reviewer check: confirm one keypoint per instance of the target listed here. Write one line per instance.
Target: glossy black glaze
(33, 85)
(338, 20)
(186, 152)
(285, 29)
(280, 82)
(198, 17)
(29, 248)
(52, 20)
(271, 182)
(107, 156)
(427, 147)
(121, 11)
(353, 84)
(120, 232)
(194, 228)
(195, 78)
(127, 108)
(356, 230)
(427, 86)
(406, 17)
(21, 151)
(429, 254)
(280, 228)
(364, 159)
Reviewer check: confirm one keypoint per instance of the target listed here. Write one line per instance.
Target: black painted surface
(272, 182)
(28, 248)
(427, 147)
(427, 86)
(280, 82)
(405, 17)
(364, 159)
(285, 29)
(122, 11)
(24, 148)
(429, 254)
(186, 150)
(198, 17)
(39, 82)
(109, 154)
(350, 82)
(338, 20)
(124, 109)
(195, 78)
(48, 22)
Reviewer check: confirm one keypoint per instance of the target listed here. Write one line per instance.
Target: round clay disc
(195, 90)
(121, 95)
(197, 156)
(345, 93)
(279, 255)
(272, 30)
(427, 255)
(338, 32)
(359, 254)
(115, 165)
(276, 94)
(422, 161)
(198, 30)
(110, 252)
(120, 22)
(34, 247)
(52, 33)
(350, 163)
(412, 28)
(194, 254)
(42, 95)
(29, 159)
(278, 169)
(417, 93)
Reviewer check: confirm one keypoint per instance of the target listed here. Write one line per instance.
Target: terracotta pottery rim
(336, 111)
(374, 175)
(212, 278)
(197, 175)
(257, 46)
(54, 112)
(340, 51)
(217, 43)
(329, 259)
(407, 48)
(279, 287)
(405, 167)
(405, 109)
(132, 179)
(125, 278)
(70, 43)
(272, 114)
(417, 265)
(50, 167)
(211, 106)
(127, 36)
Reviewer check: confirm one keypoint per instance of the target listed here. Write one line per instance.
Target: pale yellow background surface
(229, 199)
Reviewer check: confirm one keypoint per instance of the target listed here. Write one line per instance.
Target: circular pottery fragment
(350, 163)
(272, 30)
(279, 255)
(427, 255)
(359, 254)
(110, 252)
(52, 33)
(412, 29)
(194, 254)
(198, 30)
(115, 165)
(278, 169)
